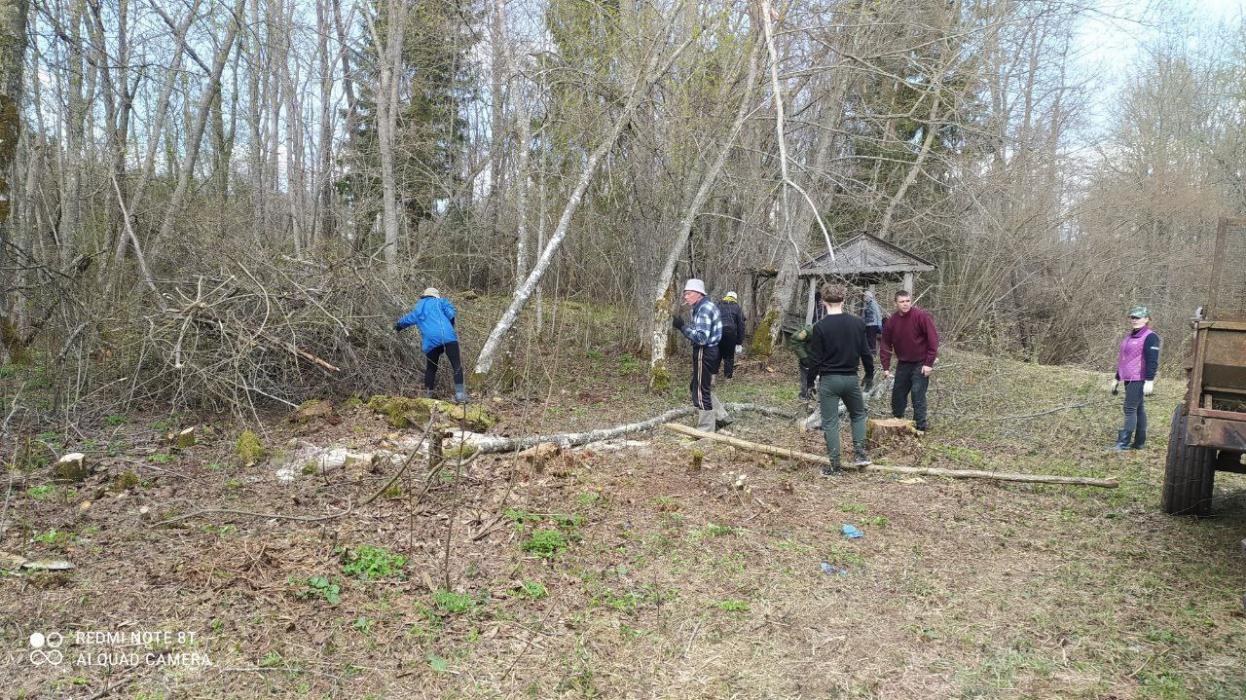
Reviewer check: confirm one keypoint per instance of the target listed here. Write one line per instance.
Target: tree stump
(71, 468)
(879, 431)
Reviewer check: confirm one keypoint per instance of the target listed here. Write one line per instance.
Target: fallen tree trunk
(501, 444)
(928, 471)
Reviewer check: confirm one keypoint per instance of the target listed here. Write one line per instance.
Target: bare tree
(656, 67)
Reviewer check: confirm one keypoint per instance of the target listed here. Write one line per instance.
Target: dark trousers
(704, 364)
(431, 359)
(871, 337)
(726, 349)
(1135, 413)
(808, 382)
(909, 380)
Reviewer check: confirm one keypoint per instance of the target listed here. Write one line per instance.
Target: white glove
(1147, 387)
(1114, 386)
(739, 350)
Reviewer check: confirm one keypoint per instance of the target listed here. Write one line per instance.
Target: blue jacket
(871, 313)
(435, 318)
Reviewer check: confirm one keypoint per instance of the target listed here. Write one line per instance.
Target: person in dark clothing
(837, 346)
(434, 317)
(910, 334)
(872, 315)
(733, 332)
(1136, 364)
(808, 379)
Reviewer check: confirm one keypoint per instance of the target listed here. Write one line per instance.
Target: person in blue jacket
(434, 317)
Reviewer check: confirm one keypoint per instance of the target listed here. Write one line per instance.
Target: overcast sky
(1112, 40)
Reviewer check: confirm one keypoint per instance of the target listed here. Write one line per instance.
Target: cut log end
(881, 430)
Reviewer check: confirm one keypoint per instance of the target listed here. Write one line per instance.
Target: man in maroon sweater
(909, 333)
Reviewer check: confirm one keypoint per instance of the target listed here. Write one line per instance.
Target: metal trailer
(1208, 432)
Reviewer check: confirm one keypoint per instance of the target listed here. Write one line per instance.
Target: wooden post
(908, 282)
(813, 295)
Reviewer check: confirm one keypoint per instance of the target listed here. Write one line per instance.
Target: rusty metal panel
(1224, 360)
(1216, 432)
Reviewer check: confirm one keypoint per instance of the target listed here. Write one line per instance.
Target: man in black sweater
(837, 347)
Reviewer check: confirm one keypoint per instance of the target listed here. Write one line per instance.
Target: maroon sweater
(911, 336)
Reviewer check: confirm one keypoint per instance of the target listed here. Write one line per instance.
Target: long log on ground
(928, 471)
(501, 444)
(490, 445)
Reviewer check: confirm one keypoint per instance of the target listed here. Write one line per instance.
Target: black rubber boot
(1122, 441)
(833, 469)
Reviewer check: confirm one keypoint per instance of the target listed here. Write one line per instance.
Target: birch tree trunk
(640, 87)
(75, 125)
(793, 250)
(662, 290)
(508, 67)
(389, 56)
(160, 117)
(114, 71)
(499, 75)
(322, 220)
(195, 137)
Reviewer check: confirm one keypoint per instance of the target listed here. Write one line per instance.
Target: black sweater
(838, 345)
(733, 320)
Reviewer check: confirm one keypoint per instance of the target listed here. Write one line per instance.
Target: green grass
(589, 499)
(54, 539)
(369, 562)
(451, 603)
(41, 493)
(545, 543)
(532, 590)
(716, 530)
(318, 587)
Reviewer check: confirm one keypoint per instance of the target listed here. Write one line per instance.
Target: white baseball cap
(695, 285)
(431, 292)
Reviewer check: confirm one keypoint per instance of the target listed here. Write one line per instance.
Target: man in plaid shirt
(705, 332)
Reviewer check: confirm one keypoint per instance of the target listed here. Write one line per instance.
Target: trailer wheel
(1188, 472)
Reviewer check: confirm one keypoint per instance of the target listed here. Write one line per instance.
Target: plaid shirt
(706, 327)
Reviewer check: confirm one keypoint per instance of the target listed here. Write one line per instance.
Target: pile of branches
(265, 329)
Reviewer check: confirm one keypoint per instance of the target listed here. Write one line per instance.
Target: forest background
(220, 205)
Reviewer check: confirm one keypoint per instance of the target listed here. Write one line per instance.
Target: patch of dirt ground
(624, 573)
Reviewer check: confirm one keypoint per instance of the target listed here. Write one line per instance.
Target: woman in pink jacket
(1136, 365)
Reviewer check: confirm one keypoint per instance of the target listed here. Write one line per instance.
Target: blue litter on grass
(831, 570)
(851, 532)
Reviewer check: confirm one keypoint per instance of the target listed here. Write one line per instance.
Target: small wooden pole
(928, 471)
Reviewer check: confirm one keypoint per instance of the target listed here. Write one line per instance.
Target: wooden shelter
(862, 261)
